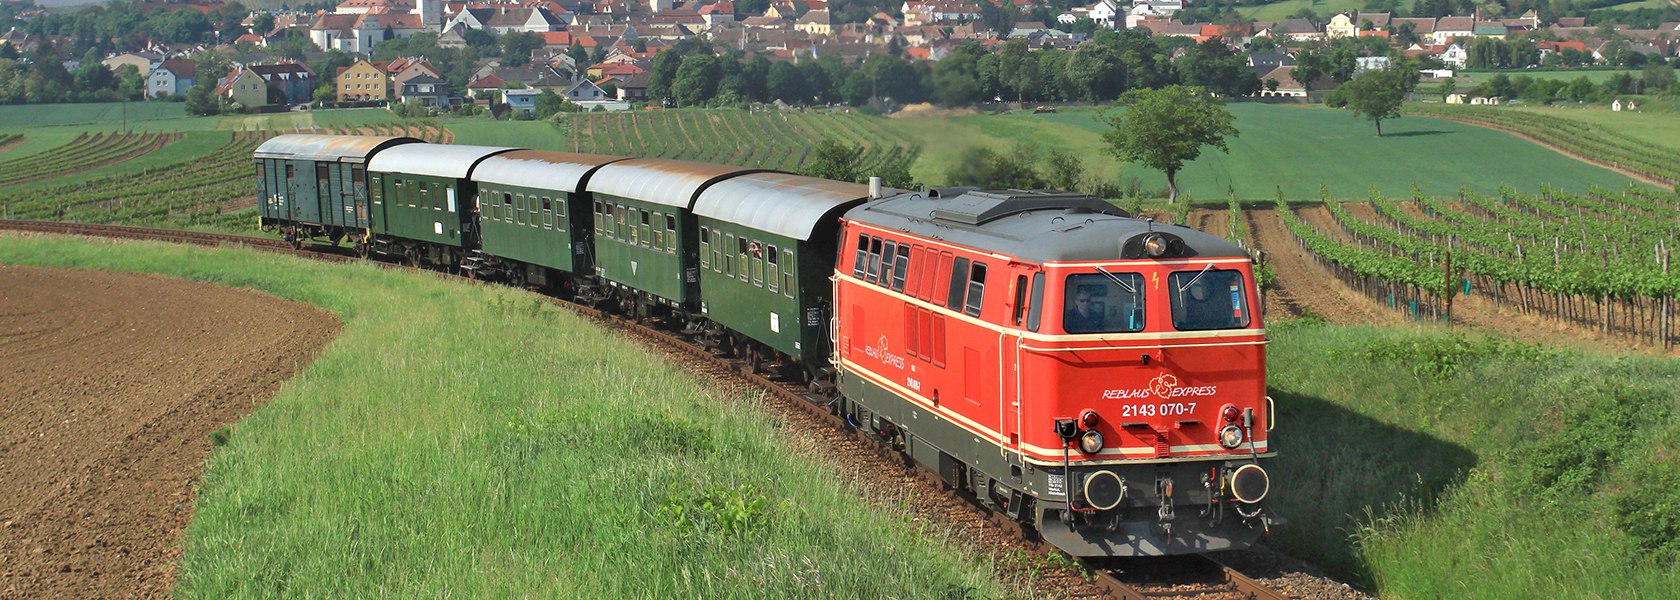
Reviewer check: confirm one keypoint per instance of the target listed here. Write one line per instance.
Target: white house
(359, 33)
(1456, 56)
(170, 77)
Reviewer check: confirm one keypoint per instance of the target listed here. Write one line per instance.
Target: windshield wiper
(1116, 278)
(1192, 281)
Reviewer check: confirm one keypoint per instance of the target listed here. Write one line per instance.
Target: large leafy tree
(1165, 128)
(833, 159)
(1376, 95)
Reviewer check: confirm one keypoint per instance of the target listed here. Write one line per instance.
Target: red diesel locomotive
(1097, 376)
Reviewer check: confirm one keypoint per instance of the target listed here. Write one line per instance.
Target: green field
(1651, 127)
(1325, 9)
(1594, 75)
(1294, 148)
(35, 115)
(472, 441)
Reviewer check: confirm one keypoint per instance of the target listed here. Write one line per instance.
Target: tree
(1375, 95)
(1064, 170)
(697, 80)
(548, 103)
(1165, 128)
(201, 99)
(1309, 66)
(263, 24)
(517, 47)
(833, 159)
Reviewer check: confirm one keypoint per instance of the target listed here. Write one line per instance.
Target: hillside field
(1293, 148)
(1659, 128)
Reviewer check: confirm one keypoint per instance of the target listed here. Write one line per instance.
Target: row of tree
(694, 73)
(1652, 80)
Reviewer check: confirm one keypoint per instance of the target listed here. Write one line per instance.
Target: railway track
(1198, 576)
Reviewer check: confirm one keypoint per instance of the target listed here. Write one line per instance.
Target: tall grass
(462, 440)
(1437, 464)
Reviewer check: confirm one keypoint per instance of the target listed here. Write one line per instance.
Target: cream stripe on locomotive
(1062, 337)
(1038, 454)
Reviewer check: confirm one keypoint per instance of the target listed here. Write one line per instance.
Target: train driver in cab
(1083, 315)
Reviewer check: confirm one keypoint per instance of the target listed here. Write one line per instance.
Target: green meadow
(1293, 148)
(1593, 75)
(475, 441)
(1277, 11)
(1658, 128)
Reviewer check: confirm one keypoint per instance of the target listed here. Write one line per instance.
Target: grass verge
(474, 441)
(1429, 463)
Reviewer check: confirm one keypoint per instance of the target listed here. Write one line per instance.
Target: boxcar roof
(781, 203)
(541, 169)
(435, 160)
(343, 148)
(1031, 226)
(661, 181)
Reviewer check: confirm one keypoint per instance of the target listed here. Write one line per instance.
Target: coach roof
(541, 169)
(780, 203)
(1031, 226)
(435, 160)
(343, 148)
(660, 181)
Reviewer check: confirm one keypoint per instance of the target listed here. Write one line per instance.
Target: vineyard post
(1666, 299)
(1447, 279)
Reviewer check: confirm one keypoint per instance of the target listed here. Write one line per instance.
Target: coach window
(976, 289)
(646, 233)
(522, 207)
(422, 197)
(548, 212)
(358, 176)
(902, 266)
(1207, 299)
(757, 249)
(874, 270)
(958, 284)
(597, 216)
(889, 257)
(729, 257)
(1103, 303)
(623, 233)
(787, 273)
(717, 251)
(775, 275)
(288, 171)
(741, 250)
(705, 248)
(670, 234)
(861, 262)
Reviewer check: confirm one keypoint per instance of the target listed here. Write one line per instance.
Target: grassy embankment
(474, 441)
(1658, 128)
(1430, 463)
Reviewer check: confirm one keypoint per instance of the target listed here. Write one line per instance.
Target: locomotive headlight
(1231, 436)
(1154, 245)
(1091, 442)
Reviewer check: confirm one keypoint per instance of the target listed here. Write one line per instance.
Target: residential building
(433, 92)
(362, 82)
(294, 80)
(171, 77)
(245, 87)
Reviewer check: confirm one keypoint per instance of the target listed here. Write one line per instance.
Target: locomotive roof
(661, 181)
(541, 169)
(342, 148)
(436, 160)
(1032, 226)
(780, 203)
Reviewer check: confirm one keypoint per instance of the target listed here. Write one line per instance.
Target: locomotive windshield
(1103, 303)
(1207, 299)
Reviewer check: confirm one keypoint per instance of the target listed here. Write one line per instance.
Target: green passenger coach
(534, 215)
(765, 258)
(645, 246)
(417, 196)
(313, 186)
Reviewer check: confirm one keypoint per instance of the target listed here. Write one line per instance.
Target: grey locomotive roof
(1032, 226)
(559, 171)
(661, 181)
(435, 160)
(780, 203)
(343, 148)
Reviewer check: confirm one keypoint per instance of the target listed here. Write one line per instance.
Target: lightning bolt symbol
(1155, 280)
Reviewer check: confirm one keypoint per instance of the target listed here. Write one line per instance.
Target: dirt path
(1212, 221)
(110, 386)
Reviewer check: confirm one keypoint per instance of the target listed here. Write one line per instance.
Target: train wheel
(411, 257)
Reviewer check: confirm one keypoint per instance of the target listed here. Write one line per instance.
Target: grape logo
(1163, 385)
(879, 352)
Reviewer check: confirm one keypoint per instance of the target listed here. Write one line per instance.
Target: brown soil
(928, 110)
(1302, 286)
(1211, 221)
(14, 141)
(447, 136)
(112, 384)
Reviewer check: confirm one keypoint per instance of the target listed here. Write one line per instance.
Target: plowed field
(111, 385)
